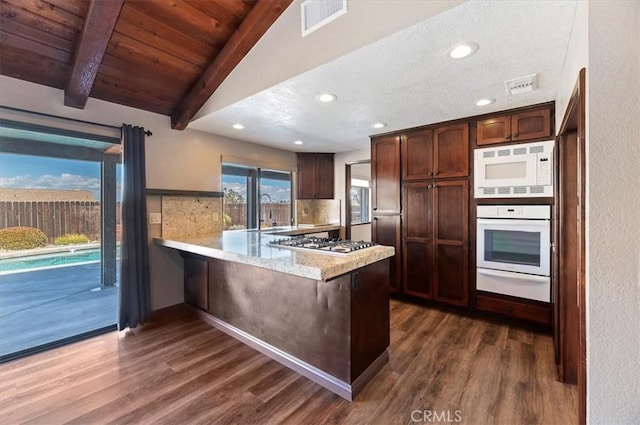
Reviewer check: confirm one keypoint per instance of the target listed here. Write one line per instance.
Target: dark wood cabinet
(386, 230)
(315, 176)
(417, 155)
(531, 311)
(451, 237)
(451, 151)
(517, 127)
(439, 153)
(436, 240)
(196, 281)
(417, 229)
(385, 175)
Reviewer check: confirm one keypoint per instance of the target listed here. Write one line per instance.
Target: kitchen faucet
(273, 223)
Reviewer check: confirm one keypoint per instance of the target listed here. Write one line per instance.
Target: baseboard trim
(368, 374)
(318, 376)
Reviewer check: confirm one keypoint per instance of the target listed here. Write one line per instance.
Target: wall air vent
(318, 13)
(522, 84)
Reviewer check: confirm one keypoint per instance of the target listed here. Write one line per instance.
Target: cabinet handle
(507, 136)
(431, 173)
(430, 186)
(435, 173)
(515, 134)
(375, 208)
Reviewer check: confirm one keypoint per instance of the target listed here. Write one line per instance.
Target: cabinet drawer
(521, 310)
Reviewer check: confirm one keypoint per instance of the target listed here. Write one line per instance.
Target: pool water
(51, 260)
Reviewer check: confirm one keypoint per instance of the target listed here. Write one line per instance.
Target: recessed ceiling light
(379, 125)
(298, 142)
(238, 126)
(326, 97)
(484, 102)
(463, 50)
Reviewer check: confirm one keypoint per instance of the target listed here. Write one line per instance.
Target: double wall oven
(513, 250)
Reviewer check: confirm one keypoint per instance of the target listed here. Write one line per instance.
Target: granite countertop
(251, 247)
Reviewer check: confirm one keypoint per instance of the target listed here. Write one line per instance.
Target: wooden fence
(55, 218)
(237, 213)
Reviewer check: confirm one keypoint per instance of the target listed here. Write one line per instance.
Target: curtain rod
(59, 117)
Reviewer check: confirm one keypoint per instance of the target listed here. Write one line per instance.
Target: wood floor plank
(178, 370)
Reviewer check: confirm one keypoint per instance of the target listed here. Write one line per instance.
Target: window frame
(254, 175)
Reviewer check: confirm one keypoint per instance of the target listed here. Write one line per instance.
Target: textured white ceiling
(407, 80)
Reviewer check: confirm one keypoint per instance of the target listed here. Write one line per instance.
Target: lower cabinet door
(451, 219)
(418, 269)
(451, 282)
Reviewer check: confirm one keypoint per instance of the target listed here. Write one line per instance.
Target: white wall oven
(516, 171)
(514, 251)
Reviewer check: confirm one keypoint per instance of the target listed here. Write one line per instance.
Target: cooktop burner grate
(324, 245)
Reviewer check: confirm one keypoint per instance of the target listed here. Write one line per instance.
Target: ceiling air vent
(522, 84)
(318, 13)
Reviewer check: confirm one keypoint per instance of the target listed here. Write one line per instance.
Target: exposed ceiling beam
(98, 25)
(252, 28)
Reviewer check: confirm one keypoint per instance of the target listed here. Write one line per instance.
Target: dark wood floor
(181, 371)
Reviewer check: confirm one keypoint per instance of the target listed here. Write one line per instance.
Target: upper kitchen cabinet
(385, 173)
(417, 155)
(451, 151)
(315, 176)
(439, 153)
(516, 127)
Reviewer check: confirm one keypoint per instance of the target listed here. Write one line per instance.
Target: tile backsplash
(190, 216)
(318, 211)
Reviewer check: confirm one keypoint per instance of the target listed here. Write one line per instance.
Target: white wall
(576, 59)
(188, 160)
(613, 246)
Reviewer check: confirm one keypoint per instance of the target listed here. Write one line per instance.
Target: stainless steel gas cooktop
(322, 245)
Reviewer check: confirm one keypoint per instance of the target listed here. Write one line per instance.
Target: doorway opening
(358, 200)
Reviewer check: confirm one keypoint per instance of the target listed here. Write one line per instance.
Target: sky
(37, 172)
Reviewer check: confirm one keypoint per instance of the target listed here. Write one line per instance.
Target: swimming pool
(51, 260)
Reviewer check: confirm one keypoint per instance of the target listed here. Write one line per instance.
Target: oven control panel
(532, 212)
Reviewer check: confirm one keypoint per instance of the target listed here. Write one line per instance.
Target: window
(360, 201)
(255, 197)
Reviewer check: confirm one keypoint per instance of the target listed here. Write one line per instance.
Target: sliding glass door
(59, 256)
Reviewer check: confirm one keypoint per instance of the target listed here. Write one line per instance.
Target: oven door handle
(519, 222)
(517, 276)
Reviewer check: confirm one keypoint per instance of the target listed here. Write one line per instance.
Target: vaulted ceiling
(163, 56)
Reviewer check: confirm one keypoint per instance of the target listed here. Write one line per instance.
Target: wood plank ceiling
(163, 56)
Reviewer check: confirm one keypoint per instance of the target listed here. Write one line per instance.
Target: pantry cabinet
(436, 240)
(315, 176)
(517, 127)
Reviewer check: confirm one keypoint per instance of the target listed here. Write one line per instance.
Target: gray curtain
(134, 250)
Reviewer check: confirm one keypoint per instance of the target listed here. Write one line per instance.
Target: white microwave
(514, 171)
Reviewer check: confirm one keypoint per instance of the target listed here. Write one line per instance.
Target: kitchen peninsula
(326, 316)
